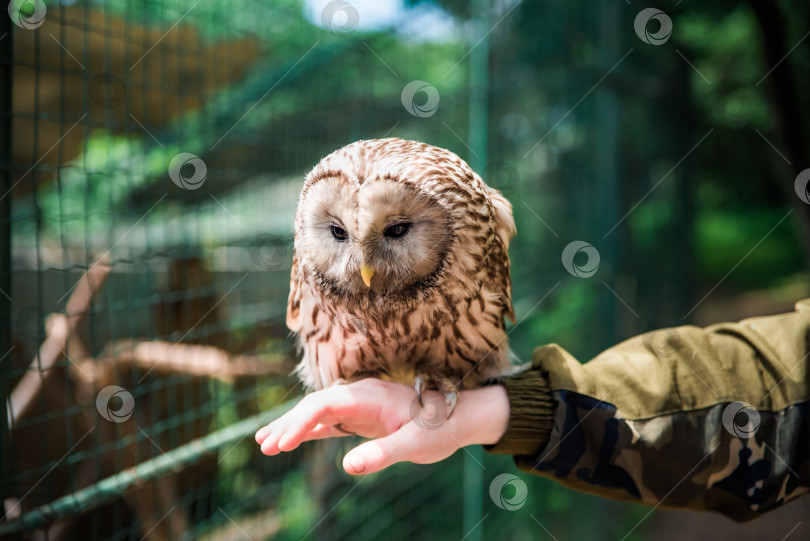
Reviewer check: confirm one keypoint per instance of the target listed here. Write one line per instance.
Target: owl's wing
(499, 260)
(504, 222)
(294, 300)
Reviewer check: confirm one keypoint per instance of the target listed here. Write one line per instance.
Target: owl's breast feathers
(453, 329)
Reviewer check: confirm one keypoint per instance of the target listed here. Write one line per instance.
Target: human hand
(390, 413)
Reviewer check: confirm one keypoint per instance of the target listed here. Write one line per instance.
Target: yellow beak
(366, 272)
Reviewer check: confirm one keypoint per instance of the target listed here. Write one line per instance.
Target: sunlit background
(673, 152)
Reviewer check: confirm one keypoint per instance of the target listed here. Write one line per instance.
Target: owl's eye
(397, 230)
(339, 233)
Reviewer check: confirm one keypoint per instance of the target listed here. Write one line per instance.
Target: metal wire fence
(152, 153)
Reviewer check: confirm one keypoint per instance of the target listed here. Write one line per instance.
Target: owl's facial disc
(383, 238)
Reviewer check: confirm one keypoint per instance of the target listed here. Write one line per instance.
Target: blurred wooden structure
(89, 70)
(63, 377)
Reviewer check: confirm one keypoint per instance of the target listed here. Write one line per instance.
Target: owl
(400, 270)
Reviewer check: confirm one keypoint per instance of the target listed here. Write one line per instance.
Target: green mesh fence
(152, 154)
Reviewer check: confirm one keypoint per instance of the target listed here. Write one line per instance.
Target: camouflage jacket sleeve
(702, 419)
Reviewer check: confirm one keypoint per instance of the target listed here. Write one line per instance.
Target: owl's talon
(450, 398)
(445, 386)
(420, 384)
(450, 392)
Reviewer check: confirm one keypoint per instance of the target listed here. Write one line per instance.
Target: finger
(300, 419)
(263, 432)
(270, 444)
(327, 407)
(288, 432)
(295, 433)
(378, 454)
(275, 427)
(277, 430)
(321, 432)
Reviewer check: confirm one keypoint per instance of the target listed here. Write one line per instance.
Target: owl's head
(385, 219)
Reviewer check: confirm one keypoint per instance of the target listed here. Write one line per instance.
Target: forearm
(481, 416)
(645, 421)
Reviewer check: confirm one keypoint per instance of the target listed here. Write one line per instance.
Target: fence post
(6, 58)
(478, 137)
(607, 153)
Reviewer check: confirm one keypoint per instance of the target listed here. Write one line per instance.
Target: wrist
(481, 416)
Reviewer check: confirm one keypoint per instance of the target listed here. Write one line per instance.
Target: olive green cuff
(531, 413)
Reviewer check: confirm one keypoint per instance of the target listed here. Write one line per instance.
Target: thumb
(375, 455)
